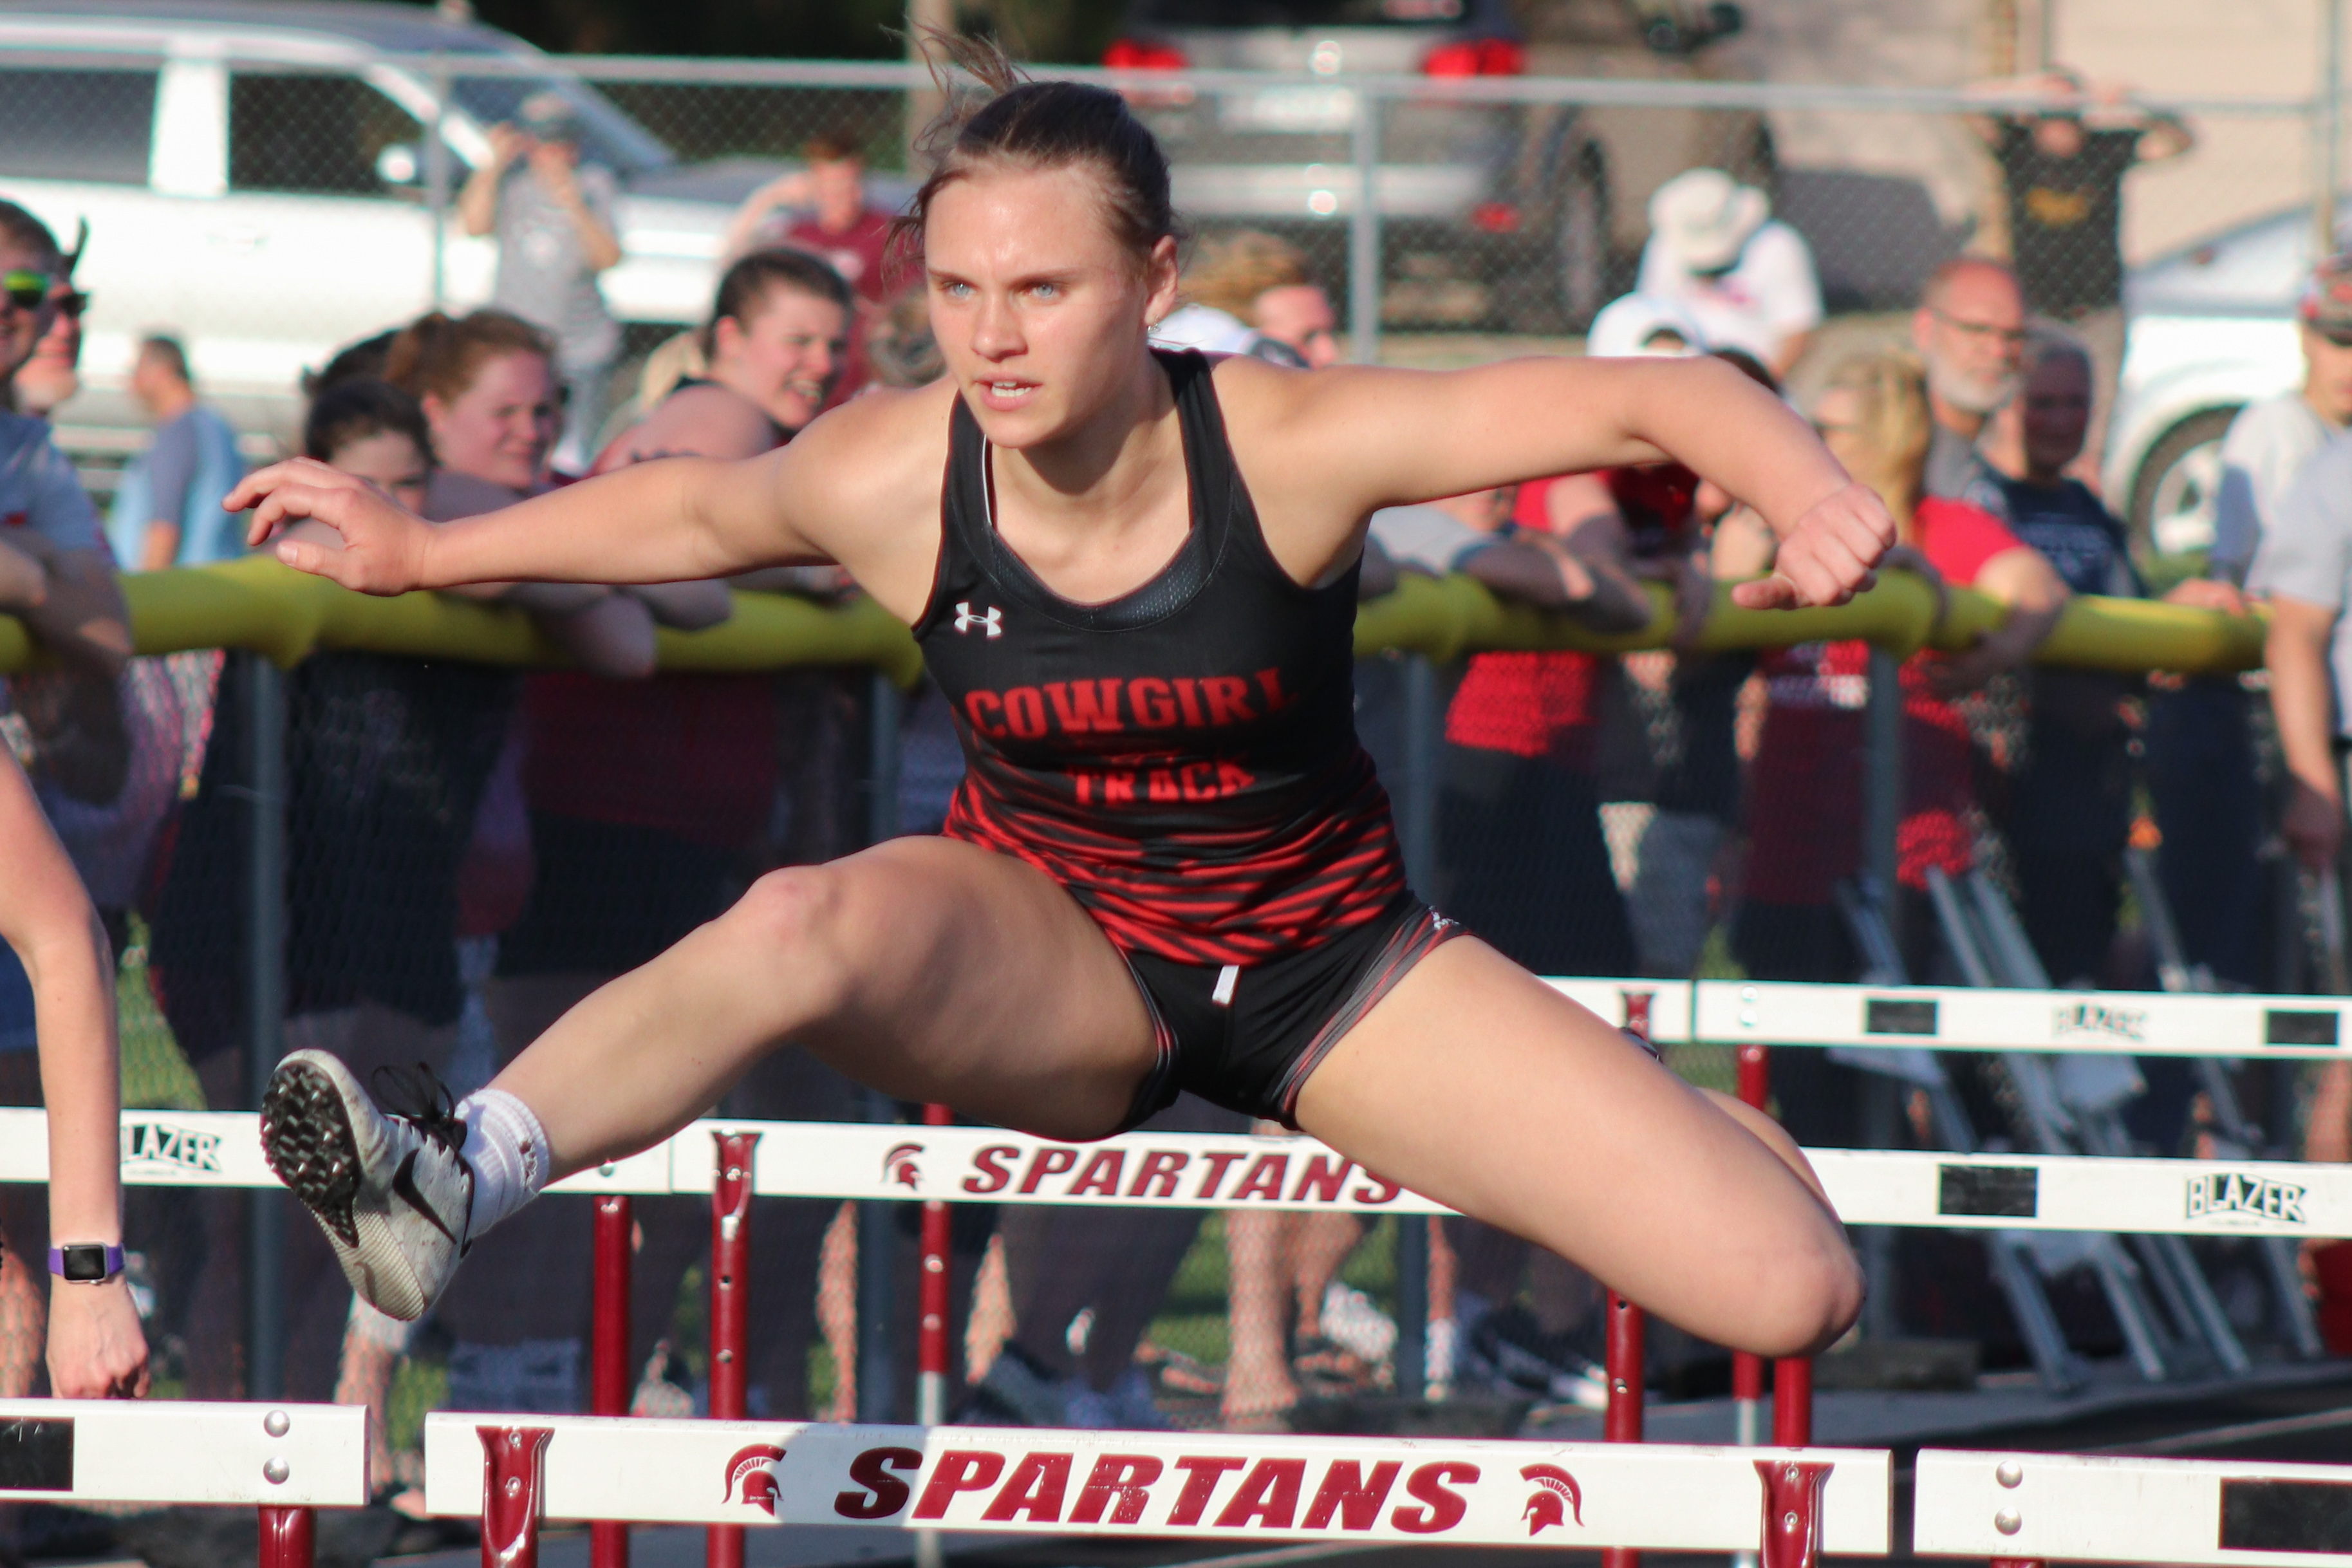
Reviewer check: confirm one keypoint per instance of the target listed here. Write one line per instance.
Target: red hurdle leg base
(512, 1488)
(287, 1535)
(2018, 1563)
(1793, 1511)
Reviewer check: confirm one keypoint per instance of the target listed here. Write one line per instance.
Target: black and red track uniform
(1183, 760)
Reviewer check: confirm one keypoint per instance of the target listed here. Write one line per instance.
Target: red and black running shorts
(1248, 1036)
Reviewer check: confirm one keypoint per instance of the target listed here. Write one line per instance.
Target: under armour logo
(991, 621)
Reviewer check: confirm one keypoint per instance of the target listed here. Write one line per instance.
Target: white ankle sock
(507, 1148)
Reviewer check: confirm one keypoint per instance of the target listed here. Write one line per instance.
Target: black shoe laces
(418, 1095)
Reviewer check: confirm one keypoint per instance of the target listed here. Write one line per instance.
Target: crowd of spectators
(470, 852)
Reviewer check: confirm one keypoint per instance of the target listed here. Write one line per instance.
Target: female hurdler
(1170, 865)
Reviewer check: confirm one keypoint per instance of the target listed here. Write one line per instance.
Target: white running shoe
(390, 1190)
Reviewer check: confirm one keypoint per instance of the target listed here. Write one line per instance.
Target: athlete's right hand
(383, 549)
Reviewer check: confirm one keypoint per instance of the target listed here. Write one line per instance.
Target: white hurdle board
(2128, 1023)
(865, 1161)
(1029, 1482)
(167, 1451)
(2065, 1508)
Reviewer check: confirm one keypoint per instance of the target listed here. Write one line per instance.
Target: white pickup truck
(255, 179)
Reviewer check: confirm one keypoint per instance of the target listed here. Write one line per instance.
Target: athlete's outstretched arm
(672, 521)
(1367, 433)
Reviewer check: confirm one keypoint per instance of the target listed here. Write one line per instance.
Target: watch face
(85, 1265)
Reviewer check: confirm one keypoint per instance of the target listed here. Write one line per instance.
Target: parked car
(255, 177)
(2211, 328)
(1491, 214)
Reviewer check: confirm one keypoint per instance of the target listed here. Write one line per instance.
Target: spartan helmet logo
(754, 1470)
(898, 1166)
(1543, 1509)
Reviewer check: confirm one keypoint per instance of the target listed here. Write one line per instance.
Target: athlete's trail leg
(1478, 1085)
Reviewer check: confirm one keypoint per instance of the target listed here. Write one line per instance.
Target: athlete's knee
(797, 918)
(1810, 1295)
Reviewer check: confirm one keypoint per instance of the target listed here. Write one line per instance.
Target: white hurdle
(284, 1460)
(1926, 1189)
(2031, 1508)
(516, 1470)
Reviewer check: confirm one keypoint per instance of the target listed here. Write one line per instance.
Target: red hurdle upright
(1748, 1371)
(1626, 1356)
(731, 1316)
(608, 1349)
(287, 1537)
(931, 1358)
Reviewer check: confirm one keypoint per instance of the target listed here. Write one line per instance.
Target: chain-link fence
(467, 853)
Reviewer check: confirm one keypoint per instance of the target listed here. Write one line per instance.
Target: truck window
(76, 123)
(311, 135)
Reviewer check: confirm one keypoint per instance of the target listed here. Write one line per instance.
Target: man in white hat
(1744, 277)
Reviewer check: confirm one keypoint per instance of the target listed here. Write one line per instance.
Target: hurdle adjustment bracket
(514, 1486)
(1793, 1511)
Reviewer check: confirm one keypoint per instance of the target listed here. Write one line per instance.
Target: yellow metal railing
(257, 604)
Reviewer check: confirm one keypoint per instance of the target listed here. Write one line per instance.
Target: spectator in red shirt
(1805, 803)
(823, 209)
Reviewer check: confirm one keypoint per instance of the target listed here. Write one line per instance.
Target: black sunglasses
(27, 289)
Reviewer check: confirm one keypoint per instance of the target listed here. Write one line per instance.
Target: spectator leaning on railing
(2070, 806)
(168, 511)
(1805, 800)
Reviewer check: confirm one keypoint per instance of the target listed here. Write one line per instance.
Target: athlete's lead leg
(1475, 1084)
(926, 968)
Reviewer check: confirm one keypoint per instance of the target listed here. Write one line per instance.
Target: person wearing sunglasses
(53, 374)
(54, 572)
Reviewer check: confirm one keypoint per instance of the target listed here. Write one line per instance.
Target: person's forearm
(685, 607)
(24, 582)
(650, 522)
(539, 598)
(478, 202)
(72, 974)
(2303, 701)
(596, 241)
(2016, 638)
(83, 619)
(613, 636)
(161, 546)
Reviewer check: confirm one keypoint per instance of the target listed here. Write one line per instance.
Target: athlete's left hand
(97, 1348)
(1827, 556)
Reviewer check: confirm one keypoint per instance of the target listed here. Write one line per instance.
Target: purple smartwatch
(89, 1263)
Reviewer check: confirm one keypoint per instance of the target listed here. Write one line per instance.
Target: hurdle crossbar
(284, 1460)
(2043, 1508)
(1159, 1484)
(170, 1451)
(860, 1161)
